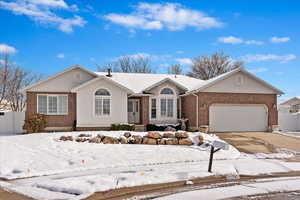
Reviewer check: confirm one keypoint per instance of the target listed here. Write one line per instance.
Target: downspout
(197, 110)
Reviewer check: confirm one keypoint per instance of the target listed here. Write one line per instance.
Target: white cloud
(236, 40)
(255, 42)
(179, 52)
(230, 40)
(42, 11)
(60, 55)
(6, 49)
(279, 39)
(184, 61)
(258, 70)
(152, 57)
(268, 57)
(172, 16)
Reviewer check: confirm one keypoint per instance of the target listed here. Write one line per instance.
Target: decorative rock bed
(151, 138)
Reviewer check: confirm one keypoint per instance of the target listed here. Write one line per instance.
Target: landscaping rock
(123, 140)
(169, 128)
(154, 135)
(127, 134)
(110, 140)
(181, 135)
(201, 139)
(185, 141)
(81, 139)
(168, 135)
(173, 141)
(161, 142)
(136, 139)
(95, 140)
(84, 135)
(147, 140)
(66, 138)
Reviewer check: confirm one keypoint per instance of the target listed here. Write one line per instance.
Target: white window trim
(52, 95)
(150, 108)
(167, 96)
(102, 97)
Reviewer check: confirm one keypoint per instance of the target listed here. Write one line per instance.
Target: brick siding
(206, 99)
(53, 120)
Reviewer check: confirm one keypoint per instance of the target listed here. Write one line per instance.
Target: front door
(133, 111)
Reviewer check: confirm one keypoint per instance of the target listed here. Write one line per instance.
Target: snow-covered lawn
(73, 170)
(261, 187)
(286, 133)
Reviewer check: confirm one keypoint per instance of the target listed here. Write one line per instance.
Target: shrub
(153, 127)
(122, 127)
(35, 123)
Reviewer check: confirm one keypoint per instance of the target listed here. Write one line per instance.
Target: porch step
(140, 128)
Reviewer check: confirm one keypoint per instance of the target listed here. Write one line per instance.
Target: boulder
(80, 139)
(169, 128)
(110, 140)
(172, 141)
(100, 136)
(95, 140)
(66, 138)
(84, 135)
(127, 134)
(136, 139)
(147, 140)
(168, 135)
(123, 140)
(201, 139)
(185, 141)
(161, 142)
(181, 135)
(154, 135)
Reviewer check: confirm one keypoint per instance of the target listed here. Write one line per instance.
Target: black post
(211, 158)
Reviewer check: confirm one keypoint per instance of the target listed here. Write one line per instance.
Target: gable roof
(217, 79)
(57, 75)
(75, 89)
(287, 101)
(139, 82)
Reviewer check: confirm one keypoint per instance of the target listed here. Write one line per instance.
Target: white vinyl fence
(288, 121)
(11, 123)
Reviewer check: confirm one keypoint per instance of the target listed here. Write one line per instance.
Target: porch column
(144, 110)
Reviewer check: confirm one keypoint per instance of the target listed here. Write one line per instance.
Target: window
(153, 108)
(52, 104)
(295, 108)
(167, 91)
(102, 102)
(166, 107)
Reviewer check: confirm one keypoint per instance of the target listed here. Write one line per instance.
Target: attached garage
(238, 117)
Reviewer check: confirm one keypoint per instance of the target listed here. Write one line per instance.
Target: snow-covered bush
(35, 123)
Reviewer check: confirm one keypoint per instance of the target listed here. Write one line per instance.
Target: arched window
(167, 103)
(102, 102)
(166, 91)
(102, 92)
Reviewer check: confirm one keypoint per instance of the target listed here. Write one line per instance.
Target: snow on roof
(138, 82)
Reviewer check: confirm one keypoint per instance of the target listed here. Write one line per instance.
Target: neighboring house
(293, 104)
(76, 97)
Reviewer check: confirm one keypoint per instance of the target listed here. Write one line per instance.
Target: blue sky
(49, 36)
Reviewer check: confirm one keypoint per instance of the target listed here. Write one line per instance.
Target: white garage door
(225, 118)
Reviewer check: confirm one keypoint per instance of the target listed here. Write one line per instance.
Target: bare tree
(129, 64)
(207, 67)
(4, 72)
(14, 79)
(175, 69)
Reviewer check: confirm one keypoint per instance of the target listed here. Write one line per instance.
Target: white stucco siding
(156, 94)
(86, 100)
(64, 82)
(240, 83)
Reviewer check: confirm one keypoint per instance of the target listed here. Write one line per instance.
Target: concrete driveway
(260, 142)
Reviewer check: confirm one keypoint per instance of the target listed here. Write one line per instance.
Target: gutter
(197, 109)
